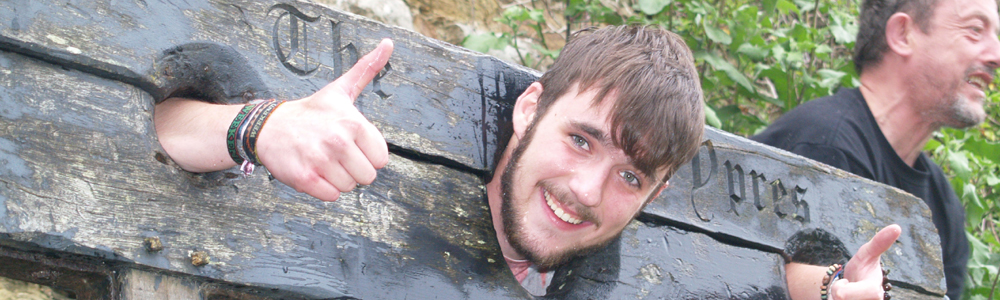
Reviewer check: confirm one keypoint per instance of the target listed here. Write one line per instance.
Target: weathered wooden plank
(277, 49)
(740, 190)
(83, 169)
(138, 284)
(670, 263)
(82, 172)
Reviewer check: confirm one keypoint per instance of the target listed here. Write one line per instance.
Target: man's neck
(495, 199)
(892, 102)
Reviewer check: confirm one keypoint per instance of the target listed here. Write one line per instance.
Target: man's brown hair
(870, 44)
(657, 118)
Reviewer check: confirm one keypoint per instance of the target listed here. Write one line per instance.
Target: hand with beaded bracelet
(860, 278)
(320, 144)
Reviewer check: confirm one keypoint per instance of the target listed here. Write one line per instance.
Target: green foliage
(759, 59)
(970, 157)
(517, 18)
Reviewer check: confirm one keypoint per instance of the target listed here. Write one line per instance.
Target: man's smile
(557, 209)
(978, 81)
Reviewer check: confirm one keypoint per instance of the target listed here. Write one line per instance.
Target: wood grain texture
(82, 169)
(282, 50)
(82, 173)
(761, 196)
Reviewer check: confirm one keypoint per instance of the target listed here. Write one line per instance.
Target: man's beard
(960, 111)
(514, 228)
(964, 113)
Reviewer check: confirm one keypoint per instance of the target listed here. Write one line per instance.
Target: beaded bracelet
(886, 286)
(836, 270)
(832, 274)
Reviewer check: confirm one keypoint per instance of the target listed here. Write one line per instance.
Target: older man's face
(567, 189)
(957, 58)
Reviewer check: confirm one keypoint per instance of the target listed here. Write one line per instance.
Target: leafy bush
(759, 59)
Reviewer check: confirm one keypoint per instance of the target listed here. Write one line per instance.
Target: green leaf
(747, 16)
(830, 74)
(823, 48)
(722, 65)
(780, 80)
(971, 196)
(794, 59)
(805, 5)
(829, 78)
(727, 112)
(717, 35)
(754, 52)
(484, 42)
(711, 118)
(931, 145)
(769, 6)
(983, 148)
(841, 35)
(800, 33)
(959, 164)
(516, 13)
(546, 52)
(536, 15)
(652, 7)
(784, 7)
(992, 179)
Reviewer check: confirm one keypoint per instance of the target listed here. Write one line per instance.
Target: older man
(924, 64)
(594, 141)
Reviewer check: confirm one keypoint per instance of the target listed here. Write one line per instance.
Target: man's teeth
(979, 82)
(559, 211)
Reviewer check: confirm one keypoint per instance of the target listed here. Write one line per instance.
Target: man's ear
(525, 108)
(899, 31)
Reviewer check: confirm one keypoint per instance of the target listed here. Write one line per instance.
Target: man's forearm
(194, 133)
(804, 280)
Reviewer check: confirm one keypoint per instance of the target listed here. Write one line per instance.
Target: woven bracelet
(241, 132)
(249, 130)
(254, 131)
(231, 135)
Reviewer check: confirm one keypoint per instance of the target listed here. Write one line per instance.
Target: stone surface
(391, 12)
(20, 290)
(85, 181)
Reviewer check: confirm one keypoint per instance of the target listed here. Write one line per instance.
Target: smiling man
(617, 113)
(594, 140)
(924, 64)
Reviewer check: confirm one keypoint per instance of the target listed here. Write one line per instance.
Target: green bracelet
(231, 134)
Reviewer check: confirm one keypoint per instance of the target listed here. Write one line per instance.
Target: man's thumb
(355, 80)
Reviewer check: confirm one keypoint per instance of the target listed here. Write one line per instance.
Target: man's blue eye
(580, 142)
(630, 178)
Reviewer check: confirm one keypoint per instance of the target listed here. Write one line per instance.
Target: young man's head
(945, 51)
(595, 139)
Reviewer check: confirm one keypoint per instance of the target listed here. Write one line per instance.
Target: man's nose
(587, 184)
(991, 55)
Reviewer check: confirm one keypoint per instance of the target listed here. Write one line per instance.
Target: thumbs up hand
(863, 273)
(321, 144)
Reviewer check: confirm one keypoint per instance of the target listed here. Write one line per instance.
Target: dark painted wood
(756, 195)
(277, 49)
(83, 175)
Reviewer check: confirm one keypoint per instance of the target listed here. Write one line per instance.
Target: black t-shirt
(841, 131)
